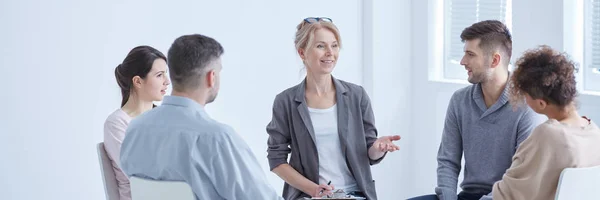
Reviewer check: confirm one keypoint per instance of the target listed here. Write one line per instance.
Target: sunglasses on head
(311, 20)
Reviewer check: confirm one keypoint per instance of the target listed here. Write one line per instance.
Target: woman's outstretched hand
(382, 145)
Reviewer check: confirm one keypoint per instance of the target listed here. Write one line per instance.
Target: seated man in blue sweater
(480, 122)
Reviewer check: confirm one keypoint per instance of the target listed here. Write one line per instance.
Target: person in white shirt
(326, 124)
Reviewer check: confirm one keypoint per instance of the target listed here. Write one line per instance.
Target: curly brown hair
(546, 74)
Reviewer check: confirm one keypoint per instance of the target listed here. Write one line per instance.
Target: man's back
(179, 141)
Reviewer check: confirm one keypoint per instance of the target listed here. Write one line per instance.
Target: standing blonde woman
(325, 123)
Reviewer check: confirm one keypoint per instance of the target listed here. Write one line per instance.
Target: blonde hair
(305, 33)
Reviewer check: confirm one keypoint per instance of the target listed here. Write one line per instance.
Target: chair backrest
(145, 189)
(111, 189)
(578, 183)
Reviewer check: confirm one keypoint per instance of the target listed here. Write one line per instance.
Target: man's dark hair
(493, 34)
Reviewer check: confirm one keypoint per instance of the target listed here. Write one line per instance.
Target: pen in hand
(328, 183)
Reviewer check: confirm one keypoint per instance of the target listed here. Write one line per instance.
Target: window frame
(444, 73)
(590, 74)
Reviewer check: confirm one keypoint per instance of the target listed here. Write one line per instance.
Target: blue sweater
(488, 138)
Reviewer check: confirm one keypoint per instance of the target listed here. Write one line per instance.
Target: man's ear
(210, 78)
(496, 58)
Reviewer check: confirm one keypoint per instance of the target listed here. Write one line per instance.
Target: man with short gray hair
(179, 141)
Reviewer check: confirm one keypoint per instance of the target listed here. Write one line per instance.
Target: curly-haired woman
(545, 79)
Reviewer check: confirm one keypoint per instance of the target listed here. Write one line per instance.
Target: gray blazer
(291, 131)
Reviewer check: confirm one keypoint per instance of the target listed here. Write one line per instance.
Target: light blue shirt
(178, 141)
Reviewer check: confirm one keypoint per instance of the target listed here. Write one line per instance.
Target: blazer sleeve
(279, 136)
(369, 123)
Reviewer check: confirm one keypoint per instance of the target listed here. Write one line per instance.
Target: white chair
(578, 183)
(111, 189)
(145, 189)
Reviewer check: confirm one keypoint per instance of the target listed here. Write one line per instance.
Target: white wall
(387, 77)
(58, 58)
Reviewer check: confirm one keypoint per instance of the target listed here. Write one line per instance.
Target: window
(459, 14)
(591, 65)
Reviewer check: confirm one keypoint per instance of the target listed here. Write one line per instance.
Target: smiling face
(476, 62)
(320, 57)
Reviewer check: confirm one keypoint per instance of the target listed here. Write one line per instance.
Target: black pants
(461, 196)
(357, 194)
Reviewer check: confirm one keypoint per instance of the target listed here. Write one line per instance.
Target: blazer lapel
(343, 112)
(303, 110)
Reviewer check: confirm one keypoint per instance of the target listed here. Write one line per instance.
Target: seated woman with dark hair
(545, 79)
(143, 79)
